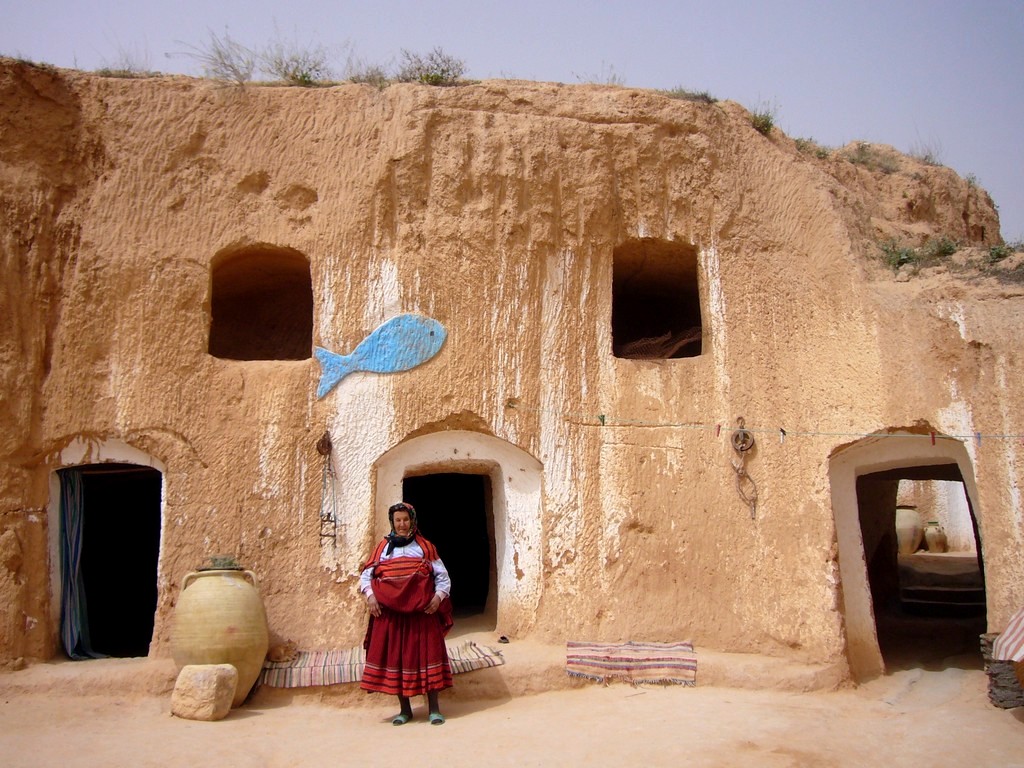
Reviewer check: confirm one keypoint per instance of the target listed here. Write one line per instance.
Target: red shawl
(406, 584)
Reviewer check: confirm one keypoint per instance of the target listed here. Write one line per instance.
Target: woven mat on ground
(633, 662)
(311, 668)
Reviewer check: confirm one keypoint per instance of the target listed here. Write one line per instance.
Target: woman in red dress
(406, 587)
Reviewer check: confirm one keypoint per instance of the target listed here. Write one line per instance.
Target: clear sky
(945, 76)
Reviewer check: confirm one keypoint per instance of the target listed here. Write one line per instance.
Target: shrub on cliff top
(359, 71)
(129, 63)
(896, 255)
(872, 158)
(607, 76)
(684, 94)
(999, 252)
(810, 146)
(296, 64)
(224, 59)
(933, 252)
(929, 153)
(763, 118)
(434, 68)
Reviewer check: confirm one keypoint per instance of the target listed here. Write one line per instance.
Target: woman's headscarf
(394, 540)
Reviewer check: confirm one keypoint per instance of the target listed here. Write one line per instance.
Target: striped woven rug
(633, 662)
(312, 668)
(1009, 646)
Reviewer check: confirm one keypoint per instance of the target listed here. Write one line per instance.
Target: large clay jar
(935, 537)
(909, 530)
(219, 619)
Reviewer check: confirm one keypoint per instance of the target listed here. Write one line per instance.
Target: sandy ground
(911, 717)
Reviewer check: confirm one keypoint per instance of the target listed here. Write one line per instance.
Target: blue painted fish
(401, 343)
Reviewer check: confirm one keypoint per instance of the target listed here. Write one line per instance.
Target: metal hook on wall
(742, 443)
(328, 492)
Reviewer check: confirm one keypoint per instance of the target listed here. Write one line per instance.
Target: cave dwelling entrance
(916, 609)
(478, 499)
(105, 527)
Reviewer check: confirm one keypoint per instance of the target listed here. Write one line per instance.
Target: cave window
(261, 304)
(656, 312)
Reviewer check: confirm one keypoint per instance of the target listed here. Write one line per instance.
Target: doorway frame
(516, 506)
(898, 449)
(82, 451)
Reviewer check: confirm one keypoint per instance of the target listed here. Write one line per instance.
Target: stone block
(204, 691)
(1005, 688)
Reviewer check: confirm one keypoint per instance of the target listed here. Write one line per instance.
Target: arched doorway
(454, 512)
(500, 485)
(865, 478)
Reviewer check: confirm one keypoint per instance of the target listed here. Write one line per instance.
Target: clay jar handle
(188, 578)
(195, 574)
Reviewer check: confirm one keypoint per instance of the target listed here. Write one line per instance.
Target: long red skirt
(405, 650)
(406, 655)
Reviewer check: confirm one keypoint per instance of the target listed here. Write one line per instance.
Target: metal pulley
(742, 440)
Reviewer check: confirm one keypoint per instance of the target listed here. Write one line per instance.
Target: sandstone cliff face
(512, 213)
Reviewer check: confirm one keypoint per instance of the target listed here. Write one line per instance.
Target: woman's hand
(435, 601)
(374, 606)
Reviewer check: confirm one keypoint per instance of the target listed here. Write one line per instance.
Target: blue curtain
(74, 617)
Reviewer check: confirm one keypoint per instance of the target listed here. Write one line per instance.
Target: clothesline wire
(605, 420)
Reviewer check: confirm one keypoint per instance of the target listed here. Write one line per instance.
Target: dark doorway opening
(454, 512)
(120, 550)
(929, 608)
